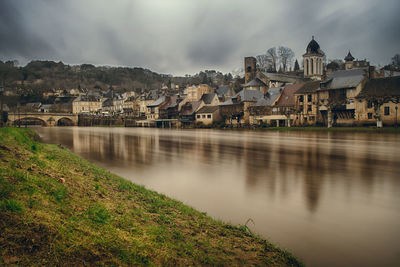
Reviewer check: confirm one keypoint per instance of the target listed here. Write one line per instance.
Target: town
(354, 93)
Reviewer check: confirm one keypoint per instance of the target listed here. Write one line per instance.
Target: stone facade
(87, 104)
(194, 93)
(249, 69)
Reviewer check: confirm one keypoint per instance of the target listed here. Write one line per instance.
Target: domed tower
(313, 61)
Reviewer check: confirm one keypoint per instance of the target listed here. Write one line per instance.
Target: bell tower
(249, 69)
(313, 61)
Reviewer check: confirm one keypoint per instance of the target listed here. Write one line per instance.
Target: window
(301, 99)
(309, 108)
(309, 98)
(387, 111)
(209, 116)
(203, 116)
(198, 116)
(370, 116)
(369, 104)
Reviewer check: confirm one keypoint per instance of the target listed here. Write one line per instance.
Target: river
(331, 198)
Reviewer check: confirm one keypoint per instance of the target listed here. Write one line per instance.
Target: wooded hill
(41, 76)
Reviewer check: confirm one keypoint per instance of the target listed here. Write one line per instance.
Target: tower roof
(313, 47)
(349, 57)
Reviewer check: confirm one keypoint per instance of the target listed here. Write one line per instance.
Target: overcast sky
(186, 36)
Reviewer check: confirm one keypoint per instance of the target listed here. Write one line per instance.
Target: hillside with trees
(41, 76)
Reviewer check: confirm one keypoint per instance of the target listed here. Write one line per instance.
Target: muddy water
(333, 199)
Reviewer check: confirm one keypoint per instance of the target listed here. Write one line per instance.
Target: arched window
(306, 66)
(312, 66)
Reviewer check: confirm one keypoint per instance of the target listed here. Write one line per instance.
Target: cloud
(180, 36)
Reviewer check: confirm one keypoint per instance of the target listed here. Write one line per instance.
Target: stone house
(263, 110)
(224, 92)
(306, 104)
(87, 104)
(188, 110)
(210, 99)
(194, 93)
(131, 106)
(378, 102)
(235, 110)
(208, 115)
(336, 96)
(153, 109)
(256, 84)
(280, 111)
(351, 64)
(170, 108)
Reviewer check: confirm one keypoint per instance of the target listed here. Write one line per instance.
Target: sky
(186, 36)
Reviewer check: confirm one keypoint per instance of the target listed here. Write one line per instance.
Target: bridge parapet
(48, 119)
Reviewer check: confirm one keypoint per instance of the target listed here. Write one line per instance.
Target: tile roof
(158, 102)
(208, 109)
(281, 77)
(255, 83)
(223, 90)
(381, 87)
(88, 98)
(245, 96)
(190, 107)
(208, 98)
(343, 79)
(287, 96)
(269, 98)
(308, 87)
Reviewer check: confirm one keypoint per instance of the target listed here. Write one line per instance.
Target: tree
(396, 61)
(272, 58)
(263, 62)
(336, 100)
(296, 66)
(286, 56)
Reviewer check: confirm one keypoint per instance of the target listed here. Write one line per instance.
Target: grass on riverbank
(58, 209)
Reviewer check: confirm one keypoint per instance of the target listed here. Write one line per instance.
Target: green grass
(58, 209)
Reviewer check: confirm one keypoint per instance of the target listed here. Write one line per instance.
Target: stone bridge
(47, 119)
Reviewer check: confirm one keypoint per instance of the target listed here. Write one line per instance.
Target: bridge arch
(28, 121)
(64, 121)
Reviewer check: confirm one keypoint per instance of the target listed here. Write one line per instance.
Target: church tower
(249, 69)
(348, 61)
(313, 61)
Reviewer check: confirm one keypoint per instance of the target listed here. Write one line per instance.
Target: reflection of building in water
(281, 165)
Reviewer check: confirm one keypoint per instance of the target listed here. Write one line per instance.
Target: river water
(332, 199)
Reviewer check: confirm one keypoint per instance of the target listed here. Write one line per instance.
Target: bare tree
(286, 56)
(336, 101)
(263, 62)
(272, 58)
(396, 61)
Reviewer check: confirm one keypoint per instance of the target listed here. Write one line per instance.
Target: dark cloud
(179, 36)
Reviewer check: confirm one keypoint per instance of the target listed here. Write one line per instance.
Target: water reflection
(329, 197)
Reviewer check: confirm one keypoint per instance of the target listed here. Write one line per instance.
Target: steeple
(349, 57)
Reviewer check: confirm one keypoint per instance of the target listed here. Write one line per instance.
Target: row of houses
(355, 95)
(155, 105)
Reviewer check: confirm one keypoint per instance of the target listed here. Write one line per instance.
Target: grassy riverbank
(58, 209)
